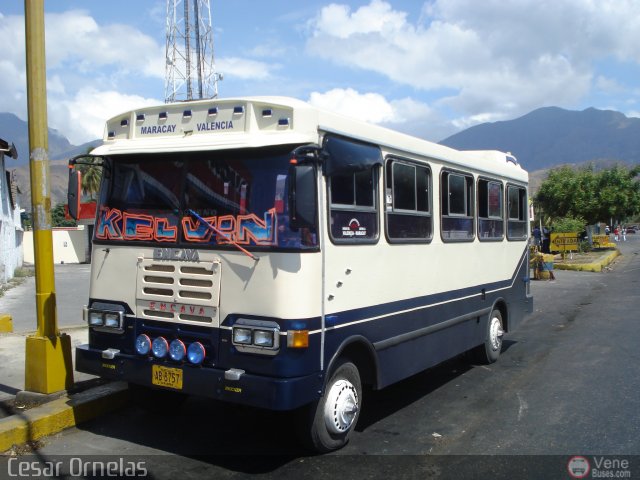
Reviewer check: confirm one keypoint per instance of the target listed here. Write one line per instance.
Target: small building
(11, 233)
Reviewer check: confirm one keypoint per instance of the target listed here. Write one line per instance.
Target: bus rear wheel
(489, 351)
(329, 421)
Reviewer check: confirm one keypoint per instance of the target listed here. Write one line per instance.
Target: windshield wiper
(222, 234)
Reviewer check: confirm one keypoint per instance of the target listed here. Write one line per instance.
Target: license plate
(166, 377)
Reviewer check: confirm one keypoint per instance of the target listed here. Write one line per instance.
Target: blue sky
(427, 68)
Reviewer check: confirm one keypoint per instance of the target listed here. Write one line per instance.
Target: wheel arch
(501, 305)
(361, 352)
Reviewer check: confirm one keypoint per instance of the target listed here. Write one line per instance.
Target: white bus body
(211, 276)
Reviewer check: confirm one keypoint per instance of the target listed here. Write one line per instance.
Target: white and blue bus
(268, 253)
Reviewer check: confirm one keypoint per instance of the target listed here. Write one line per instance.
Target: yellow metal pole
(48, 365)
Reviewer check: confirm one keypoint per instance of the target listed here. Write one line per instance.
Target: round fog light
(177, 350)
(143, 344)
(160, 347)
(196, 353)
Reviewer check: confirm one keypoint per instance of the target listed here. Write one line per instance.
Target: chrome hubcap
(495, 333)
(341, 407)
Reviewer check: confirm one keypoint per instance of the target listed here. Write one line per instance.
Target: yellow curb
(589, 267)
(62, 413)
(6, 323)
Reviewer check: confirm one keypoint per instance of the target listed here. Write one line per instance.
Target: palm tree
(91, 176)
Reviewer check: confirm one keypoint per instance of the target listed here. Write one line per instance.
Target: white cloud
(498, 58)
(369, 107)
(244, 69)
(82, 117)
(80, 52)
(75, 39)
(406, 115)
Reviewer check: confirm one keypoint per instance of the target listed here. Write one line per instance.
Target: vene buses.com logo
(578, 467)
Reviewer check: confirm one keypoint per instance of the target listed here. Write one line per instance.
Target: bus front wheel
(331, 419)
(489, 351)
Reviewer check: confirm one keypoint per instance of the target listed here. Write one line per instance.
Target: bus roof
(247, 122)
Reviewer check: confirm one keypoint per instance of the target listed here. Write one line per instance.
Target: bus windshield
(240, 194)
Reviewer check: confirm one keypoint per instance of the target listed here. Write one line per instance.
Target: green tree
(58, 219)
(91, 177)
(619, 192)
(595, 196)
(569, 225)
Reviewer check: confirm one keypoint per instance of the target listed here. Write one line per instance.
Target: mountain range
(16, 131)
(551, 136)
(542, 139)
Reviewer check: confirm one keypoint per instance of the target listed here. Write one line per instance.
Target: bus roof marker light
(267, 112)
(238, 110)
(283, 122)
(124, 122)
(162, 115)
(186, 113)
(111, 135)
(212, 111)
(140, 117)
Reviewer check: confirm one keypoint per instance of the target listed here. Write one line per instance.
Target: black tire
(327, 423)
(156, 400)
(489, 351)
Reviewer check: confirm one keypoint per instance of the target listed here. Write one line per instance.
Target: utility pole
(48, 365)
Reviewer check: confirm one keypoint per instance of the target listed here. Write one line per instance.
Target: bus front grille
(176, 291)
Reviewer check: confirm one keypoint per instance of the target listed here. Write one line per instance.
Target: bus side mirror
(302, 197)
(73, 192)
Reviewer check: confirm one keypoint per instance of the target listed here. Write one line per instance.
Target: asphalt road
(566, 384)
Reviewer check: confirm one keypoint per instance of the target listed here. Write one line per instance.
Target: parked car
(632, 229)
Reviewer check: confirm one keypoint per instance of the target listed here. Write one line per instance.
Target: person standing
(616, 233)
(537, 238)
(546, 240)
(623, 232)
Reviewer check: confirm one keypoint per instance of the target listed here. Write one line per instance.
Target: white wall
(10, 230)
(69, 245)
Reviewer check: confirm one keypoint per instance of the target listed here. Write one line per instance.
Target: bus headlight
(256, 336)
(263, 338)
(242, 336)
(106, 317)
(112, 319)
(95, 318)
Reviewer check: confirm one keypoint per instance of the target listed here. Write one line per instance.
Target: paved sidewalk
(12, 361)
(88, 398)
(26, 417)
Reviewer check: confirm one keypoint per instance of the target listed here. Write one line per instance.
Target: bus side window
(457, 211)
(408, 202)
(351, 168)
(517, 209)
(490, 210)
(353, 211)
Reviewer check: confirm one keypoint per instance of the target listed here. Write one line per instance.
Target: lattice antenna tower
(190, 67)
